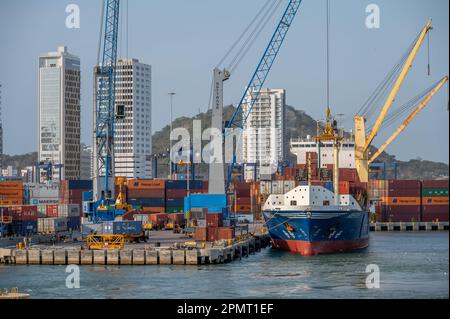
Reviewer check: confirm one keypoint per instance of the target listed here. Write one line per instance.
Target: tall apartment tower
(59, 113)
(86, 165)
(133, 132)
(263, 134)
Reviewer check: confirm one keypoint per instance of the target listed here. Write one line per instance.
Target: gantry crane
(362, 141)
(402, 127)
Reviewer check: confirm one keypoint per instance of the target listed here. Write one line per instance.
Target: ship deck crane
(402, 127)
(362, 141)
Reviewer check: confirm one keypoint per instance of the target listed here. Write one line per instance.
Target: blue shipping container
(329, 186)
(81, 184)
(183, 184)
(87, 196)
(73, 223)
(210, 201)
(23, 228)
(147, 202)
(175, 202)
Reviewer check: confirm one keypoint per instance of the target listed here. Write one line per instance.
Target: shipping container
(402, 201)
(147, 202)
(158, 220)
(146, 184)
(435, 201)
(146, 193)
(213, 233)
(52, 211)
(176, 193)
(403, 184)
(153, 209)
(52, 225)
(243, 201)
(80, 184)
(435, 192)
(73, 223)
(174, 202)
(172, 210)
(16, 185)
(23, 227)
(129, 228)
(435, 184)
(194, 184)
(87, 196)
(177, 218)
(201, 234)
(69, 210)
(22, 212)
(214, 219)
(226, 233)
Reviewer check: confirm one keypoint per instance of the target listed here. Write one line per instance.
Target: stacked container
(176, 191)
(11, 193)
(435, 206)
(402, 202)
(24, 219)
(149, 195)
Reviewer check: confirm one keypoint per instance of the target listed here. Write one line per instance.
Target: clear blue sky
(184, 39)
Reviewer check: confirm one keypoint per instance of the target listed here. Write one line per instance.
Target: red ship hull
(306, 248)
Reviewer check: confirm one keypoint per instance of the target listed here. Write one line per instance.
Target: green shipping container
(171, 210)
(435, 192)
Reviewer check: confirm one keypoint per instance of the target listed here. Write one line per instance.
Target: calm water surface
(412, 265)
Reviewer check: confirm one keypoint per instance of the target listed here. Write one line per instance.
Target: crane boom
(397, 85)
(362, 142)
(409, 119)
(104, 119)
(259, 77)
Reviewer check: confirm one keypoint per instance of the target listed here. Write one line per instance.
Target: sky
(184, 40)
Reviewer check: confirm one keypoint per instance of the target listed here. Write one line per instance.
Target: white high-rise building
(133, 133)
(59, 113)
(86, 165)
(1, 131)
(263, 134)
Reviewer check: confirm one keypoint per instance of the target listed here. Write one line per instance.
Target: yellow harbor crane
(362, 141)
(409, 119)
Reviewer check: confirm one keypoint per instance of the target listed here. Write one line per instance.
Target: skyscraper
(59, 113)
(132, 133)
(263, 135)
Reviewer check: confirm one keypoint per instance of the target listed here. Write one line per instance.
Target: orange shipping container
(146, 184)
(154, 210)
(11, 201)
(15, 185)
(401, 201)
(435, 201)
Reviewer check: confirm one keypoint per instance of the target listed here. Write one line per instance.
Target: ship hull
(318, 232)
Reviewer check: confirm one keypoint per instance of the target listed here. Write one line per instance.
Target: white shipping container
(44, 192)
(277, 187)
(288, 186)
(141, 218)
(52, 225)
(44, 201)
(69, 210)
(266, 187)
(42, 211)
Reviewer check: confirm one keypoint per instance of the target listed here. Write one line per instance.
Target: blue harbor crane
(218, 187)
(107, 111)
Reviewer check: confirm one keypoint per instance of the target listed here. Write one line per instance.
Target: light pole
(171, 94)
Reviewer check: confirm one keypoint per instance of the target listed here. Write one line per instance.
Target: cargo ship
(315, 218)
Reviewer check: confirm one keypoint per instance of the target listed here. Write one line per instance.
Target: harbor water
(411, 265)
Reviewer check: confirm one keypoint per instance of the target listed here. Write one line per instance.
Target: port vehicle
(99, 242)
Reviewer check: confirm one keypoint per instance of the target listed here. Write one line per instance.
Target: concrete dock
(409, 226)
(212, 254)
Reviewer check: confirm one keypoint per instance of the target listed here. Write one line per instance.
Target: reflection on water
(412, 265)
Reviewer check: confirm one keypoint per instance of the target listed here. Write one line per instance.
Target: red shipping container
(226, 233)
(406, 209)
(243, 192)
(52, 211)
(435, 209)
(23, 213)
(154, 210)
(435, 217)
(243, 201)
(348, 175)
(344, 187)
(402, 217)
(213, 233)
(407, 192)
(435, 184)
(201, 234)
(177, 218)
(403, 184)
(242, 186)
(158, 219)
(214, 219)
(176, 193)
(146, 193)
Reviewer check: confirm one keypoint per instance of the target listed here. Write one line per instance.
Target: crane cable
(369, 107)
(328, 53)
(392, 118)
